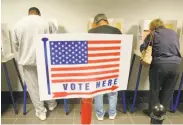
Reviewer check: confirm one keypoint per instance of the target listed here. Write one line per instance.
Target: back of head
(100, 18)
(156, 23)
(34, 11)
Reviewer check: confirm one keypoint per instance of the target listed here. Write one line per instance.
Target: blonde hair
(157, 23)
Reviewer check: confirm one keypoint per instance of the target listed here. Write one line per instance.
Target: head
(100, 19)
(157, 23)
(34, 11)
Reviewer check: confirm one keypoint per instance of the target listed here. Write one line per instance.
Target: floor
(58, 116)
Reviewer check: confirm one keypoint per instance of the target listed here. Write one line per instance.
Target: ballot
(6, 48)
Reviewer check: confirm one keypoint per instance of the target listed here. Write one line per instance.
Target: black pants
(162, 77)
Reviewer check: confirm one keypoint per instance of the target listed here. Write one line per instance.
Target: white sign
(82, 65)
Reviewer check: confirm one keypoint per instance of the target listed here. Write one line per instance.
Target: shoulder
(92, 30)
(115, 30)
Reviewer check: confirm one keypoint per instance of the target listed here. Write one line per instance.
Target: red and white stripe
(103, 64)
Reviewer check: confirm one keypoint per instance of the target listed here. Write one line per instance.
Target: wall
(73, 16)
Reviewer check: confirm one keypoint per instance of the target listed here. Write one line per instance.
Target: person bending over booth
(166, 60)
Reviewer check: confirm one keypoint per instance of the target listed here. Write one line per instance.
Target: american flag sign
(80, 68)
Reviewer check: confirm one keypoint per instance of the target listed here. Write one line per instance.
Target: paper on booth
(82, 65)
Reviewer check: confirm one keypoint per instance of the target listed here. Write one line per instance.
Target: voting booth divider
(181, 80)
(7, 55)
(143, 31)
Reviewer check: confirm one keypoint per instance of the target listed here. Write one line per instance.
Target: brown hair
(156, 23)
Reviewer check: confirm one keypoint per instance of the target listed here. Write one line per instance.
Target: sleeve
(53, 26)
(14, 39)
(145, 44)
(90, 31)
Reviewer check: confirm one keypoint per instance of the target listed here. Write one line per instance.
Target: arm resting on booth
(145, 44)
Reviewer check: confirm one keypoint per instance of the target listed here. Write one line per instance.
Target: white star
(76, 45)
(60, 57)
(73, 57)
(79, 56)
(66, 57)
(73, 52)
(51, 43)
(67, 62)
(53, 53)
(66, 52)
(56, 60)
(56, 50)
(79, 42)
(55, 45)
(69, 50)
(85, 52)
(59, 48)
(60, 62)
(69, 45)
(65, 43)
(63, 55)
(69, 55)
(85, 61)
(62, 50)
(62, 45)
(79, 61)
(60, 53)
(72, 47)
(52, 48)
(56, 56)
(79, 52)
(76, 50)
(73, 61)
(65, 47)
(82, 49)
(53, 62)
(53, 58)
(85, 56)
(76, 59)
(58, 43)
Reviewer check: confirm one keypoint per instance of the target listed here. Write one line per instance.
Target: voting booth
(143, 31)
(118, 23)
(6, 50)
(181, 40)
(7, 55)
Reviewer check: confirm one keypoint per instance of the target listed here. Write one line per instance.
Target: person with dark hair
(23, 35)
(101, 25)
(34, 11)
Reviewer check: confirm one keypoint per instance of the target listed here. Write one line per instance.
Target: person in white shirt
(24, 32)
